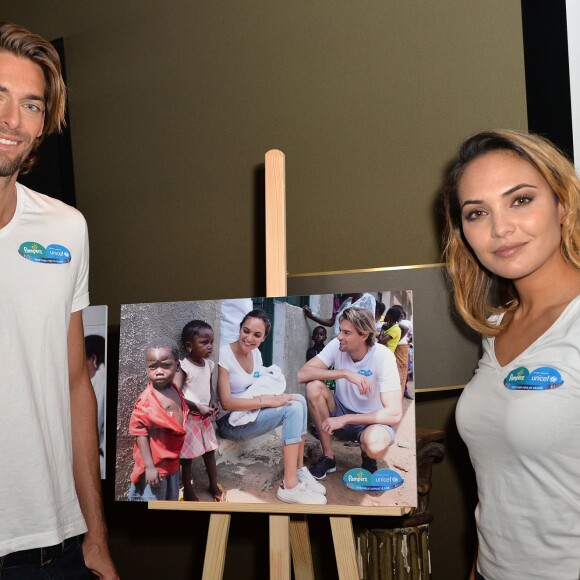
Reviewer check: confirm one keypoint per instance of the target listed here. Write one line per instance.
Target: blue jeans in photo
(168, 489)
(292, 417)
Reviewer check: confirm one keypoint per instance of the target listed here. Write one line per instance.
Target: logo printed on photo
(363, 480)
(53, 254)
(365, 372)
(540, 379)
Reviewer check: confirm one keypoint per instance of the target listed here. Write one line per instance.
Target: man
(367, 400)
(50, 485)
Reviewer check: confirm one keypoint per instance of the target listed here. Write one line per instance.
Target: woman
(512, 247)
(390, 334)
(240, 366)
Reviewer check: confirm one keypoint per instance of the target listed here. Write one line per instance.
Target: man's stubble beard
(10, 167)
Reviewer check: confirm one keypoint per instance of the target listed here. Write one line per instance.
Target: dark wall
(172, 108)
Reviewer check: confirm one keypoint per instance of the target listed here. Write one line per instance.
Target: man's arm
(317, 370)
(85, 448)
(390, 414)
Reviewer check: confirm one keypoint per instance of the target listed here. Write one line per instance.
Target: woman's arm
(384, 337)
(404, 329)
(230, 403)
(213, 405)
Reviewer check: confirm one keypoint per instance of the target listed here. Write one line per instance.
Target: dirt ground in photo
(254, 476)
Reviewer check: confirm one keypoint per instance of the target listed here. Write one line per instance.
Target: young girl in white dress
(194, 379)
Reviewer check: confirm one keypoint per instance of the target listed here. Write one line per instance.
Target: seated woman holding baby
(245, 388)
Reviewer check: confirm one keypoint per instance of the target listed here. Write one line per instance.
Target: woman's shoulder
(569, 320)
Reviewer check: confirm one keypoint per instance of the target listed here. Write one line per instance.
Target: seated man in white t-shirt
(367, 401)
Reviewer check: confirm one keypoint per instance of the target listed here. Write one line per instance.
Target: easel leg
(343, 536)
(215, 551)
(301, 551)
(279, 548)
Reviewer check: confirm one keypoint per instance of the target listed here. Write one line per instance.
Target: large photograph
(298, 401)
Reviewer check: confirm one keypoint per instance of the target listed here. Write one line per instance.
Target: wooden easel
(286, 531)
(342, 531)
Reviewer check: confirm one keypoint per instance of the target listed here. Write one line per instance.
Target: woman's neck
(555, 285)
(240, 354)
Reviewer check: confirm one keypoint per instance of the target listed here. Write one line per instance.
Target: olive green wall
(173, 105)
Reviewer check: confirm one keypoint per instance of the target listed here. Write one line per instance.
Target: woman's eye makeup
(518, 200)
(522, 199)
(473, 214)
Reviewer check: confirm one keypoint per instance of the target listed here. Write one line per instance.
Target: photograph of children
(282, 410)
(95, 325)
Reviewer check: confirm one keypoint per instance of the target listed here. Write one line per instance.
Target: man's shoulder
(49, 207)
(379, 350)
(330, 350)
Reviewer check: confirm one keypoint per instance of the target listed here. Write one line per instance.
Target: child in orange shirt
(158, 424)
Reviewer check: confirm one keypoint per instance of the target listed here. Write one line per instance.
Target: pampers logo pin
(363, 480)
(541, 379)
(53, 254)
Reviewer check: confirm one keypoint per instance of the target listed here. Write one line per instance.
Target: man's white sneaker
(300, 494)
(304, 476)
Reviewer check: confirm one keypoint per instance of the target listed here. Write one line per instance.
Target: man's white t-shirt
(44, 257)
(379, 366)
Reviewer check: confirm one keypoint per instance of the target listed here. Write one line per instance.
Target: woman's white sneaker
(300, 494)
(304, 476)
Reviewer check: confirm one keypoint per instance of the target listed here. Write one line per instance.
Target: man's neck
(359, 354)
(7, 199)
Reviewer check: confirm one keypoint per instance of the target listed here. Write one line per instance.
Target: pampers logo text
(363, 480)
(32, 250)
(540, 379)
(53, 254)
